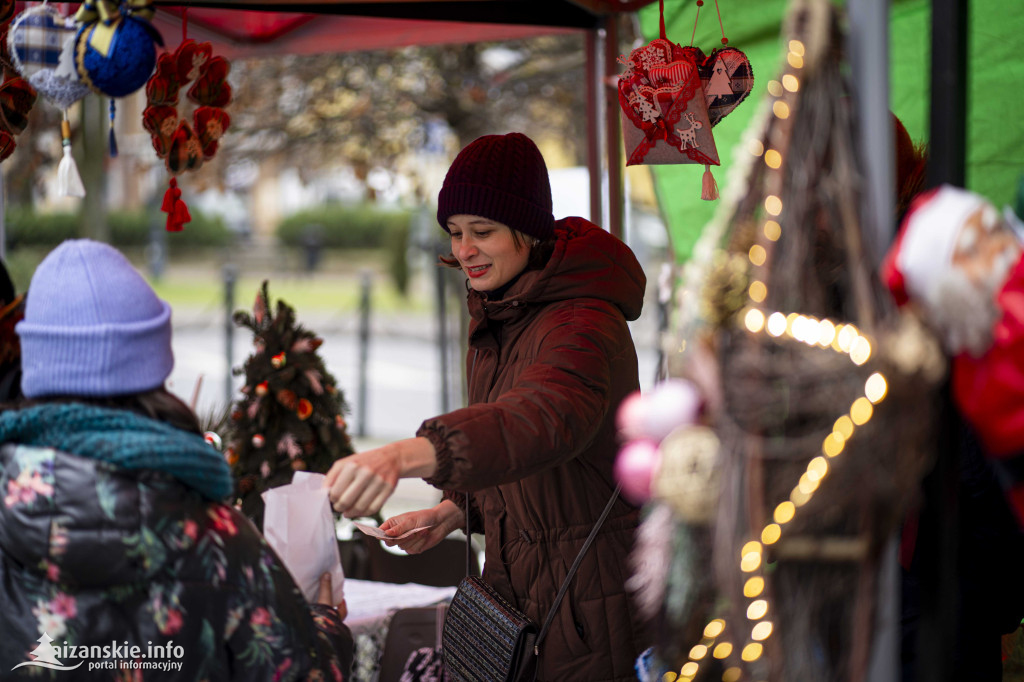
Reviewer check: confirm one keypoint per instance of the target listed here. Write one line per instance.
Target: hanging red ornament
(184, 146)
(261, 388)
(672, 96)
(175, 208)
(305, 409)
(278, 360)
(17, 97)
(258, 441)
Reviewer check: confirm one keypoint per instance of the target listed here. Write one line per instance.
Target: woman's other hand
(360, 484)
(325, 595)
(442, 519)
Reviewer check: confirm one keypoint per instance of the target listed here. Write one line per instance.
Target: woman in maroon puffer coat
(550, 359)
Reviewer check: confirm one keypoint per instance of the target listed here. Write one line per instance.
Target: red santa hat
(951, 257)
(924, 247)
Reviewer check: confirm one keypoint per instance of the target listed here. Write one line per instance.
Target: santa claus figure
(959, 261)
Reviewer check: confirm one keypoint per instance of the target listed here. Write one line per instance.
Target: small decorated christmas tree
(290, 417)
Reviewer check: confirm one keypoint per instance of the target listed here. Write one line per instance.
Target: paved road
(403, 369)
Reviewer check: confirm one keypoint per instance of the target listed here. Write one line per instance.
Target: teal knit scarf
(122, 438)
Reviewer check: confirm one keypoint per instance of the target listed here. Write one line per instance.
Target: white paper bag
(299, 526)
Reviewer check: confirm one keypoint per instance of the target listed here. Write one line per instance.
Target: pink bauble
(669, 405)
(634, 469)
(630, 417)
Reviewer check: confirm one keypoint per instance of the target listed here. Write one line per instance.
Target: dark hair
(540, 251)
(158, 404)
(6, 286)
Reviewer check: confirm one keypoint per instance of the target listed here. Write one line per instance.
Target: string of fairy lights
(814, 332)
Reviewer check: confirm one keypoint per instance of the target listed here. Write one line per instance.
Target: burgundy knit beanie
(502, 178)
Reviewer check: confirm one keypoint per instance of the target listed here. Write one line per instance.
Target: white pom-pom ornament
(669, 405)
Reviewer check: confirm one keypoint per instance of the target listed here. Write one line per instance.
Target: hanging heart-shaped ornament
(211, 88)
(210, 124)
(6, 11)
(667, 120)
(41, 45)
(161, 122)
(727, 78)
(163, 87)
(184, 152)
(191, 59)
(7, 144)
(16, 100)
(115, 49)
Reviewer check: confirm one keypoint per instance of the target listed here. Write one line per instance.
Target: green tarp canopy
(995, 123)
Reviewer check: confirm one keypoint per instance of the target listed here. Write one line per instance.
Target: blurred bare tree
(361, 109)
(372, 108)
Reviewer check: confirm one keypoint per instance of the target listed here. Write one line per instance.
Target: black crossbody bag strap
(572, 569)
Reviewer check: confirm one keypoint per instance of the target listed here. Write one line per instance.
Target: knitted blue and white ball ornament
(116, 58)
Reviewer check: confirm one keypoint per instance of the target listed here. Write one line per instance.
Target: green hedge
(26, 228)
(346, 226)
(354, 226)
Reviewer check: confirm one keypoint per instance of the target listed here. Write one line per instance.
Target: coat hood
(587, 262)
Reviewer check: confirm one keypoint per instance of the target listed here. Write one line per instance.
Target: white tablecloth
(370, 601)
(370, 605)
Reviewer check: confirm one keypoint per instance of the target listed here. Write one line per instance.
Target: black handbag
(486, 639)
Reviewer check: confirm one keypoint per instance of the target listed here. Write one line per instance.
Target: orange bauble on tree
(184, 145)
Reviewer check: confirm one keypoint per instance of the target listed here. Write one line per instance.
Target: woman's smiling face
(485, 249)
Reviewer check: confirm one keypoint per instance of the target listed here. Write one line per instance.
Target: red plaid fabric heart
(184, 153)
(212, 89)
(727, 79)
(7, 144)
(210, 125)
(16, 100)
(163, 86)
(161, 122)
(6, 11)
(191, 58)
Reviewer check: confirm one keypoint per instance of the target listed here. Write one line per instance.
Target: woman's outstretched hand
(442, 519)
(360, 484)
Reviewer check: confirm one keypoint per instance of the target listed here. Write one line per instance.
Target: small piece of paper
(373, 531)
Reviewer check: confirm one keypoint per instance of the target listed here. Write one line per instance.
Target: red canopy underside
(250, 33)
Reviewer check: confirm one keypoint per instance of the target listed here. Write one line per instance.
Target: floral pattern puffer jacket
(108, 573)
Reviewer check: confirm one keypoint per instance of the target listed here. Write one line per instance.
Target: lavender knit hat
(502, 178)
(93, 327)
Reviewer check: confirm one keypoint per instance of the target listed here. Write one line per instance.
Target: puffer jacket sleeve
(551, 409)
(476, 523)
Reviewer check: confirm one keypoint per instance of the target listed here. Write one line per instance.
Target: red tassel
(709, 188)
(175, 208)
